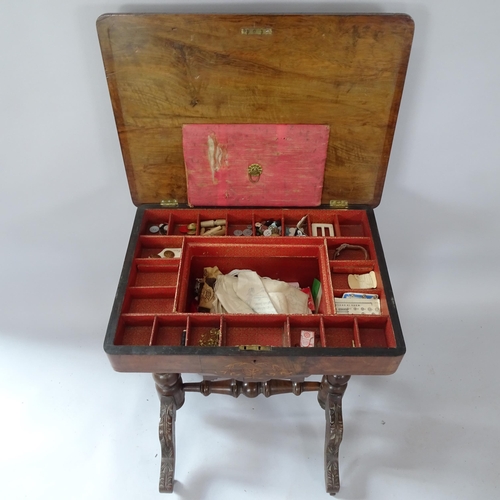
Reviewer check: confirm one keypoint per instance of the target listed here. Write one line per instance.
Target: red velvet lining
(170, 333)
(330, 331)
(156, 276)
(242, 331)
(157, 301)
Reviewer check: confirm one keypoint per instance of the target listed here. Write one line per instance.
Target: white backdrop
(70, 427)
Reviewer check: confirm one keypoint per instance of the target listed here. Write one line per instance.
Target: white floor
(72, 428)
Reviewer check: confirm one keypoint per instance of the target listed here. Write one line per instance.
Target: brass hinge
(169, 203)
(339, 204)
(255, 347)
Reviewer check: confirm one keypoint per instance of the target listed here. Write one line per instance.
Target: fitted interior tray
(156, 324)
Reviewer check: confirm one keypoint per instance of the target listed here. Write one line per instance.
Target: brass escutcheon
(254, 172)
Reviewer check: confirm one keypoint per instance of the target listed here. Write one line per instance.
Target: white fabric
(244, 292)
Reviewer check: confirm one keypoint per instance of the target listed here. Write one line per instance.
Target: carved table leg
(167, 442)
(330, 398)
(169, 388)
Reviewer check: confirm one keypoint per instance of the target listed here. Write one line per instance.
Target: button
(247, 232)
(154, 229)
(238, 232)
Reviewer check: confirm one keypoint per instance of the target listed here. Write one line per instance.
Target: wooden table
(154, 325)
(340, 75)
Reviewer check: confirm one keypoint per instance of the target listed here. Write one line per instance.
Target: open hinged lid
(345, 72)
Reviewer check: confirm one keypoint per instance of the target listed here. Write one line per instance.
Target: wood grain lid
(168, 70)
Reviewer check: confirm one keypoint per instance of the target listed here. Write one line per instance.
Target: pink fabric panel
(292, 158)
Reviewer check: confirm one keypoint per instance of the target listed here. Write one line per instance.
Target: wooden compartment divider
(357, 339)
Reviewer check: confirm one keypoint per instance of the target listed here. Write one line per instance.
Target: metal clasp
(254, 172)
(256, 31)
(255, 347)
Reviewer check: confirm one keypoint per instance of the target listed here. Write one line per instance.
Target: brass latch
(256, 31)
(255, 347)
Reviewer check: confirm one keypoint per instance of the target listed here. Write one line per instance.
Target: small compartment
(169, 330)
(201, 331)
(375, 332)
(289, 262)
(271, 330)
(338, 293)
(134, 330)
(353, 223)
(240, 223)
(349, 250)
(268, 223)
(155, 275)
(181, 223)
(153, 219)
(340, 271)
(158, 227)
(323, 223)
(297, 324)
(151, 246)
(339, 332)
(149, 300)
(292, 219)
(210, 220)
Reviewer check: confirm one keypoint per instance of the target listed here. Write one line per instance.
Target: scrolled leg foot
(167, 442)
(334, 387)
(170, 390)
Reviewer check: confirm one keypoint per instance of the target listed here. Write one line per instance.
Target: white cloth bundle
(245, 292)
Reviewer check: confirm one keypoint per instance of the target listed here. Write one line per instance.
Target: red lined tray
(159, 308)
